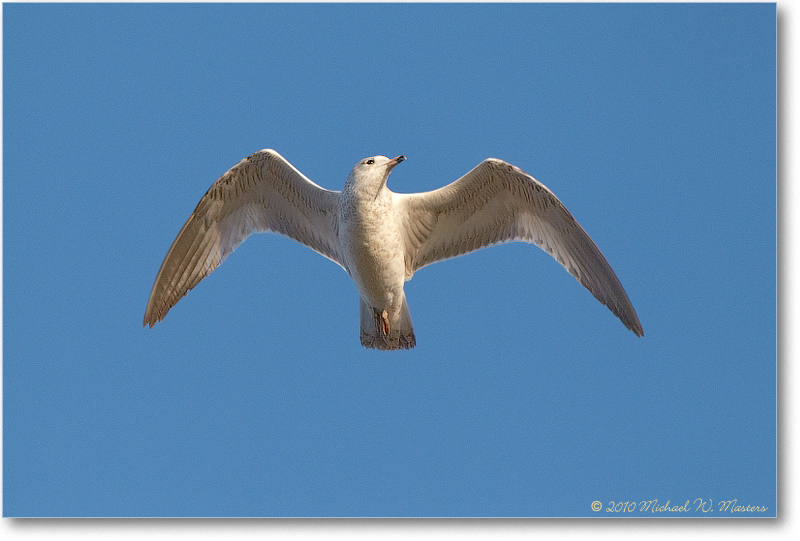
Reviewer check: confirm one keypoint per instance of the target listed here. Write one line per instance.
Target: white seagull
(380, 237)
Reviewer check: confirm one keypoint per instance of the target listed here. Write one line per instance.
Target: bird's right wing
(263, 192)
(495, 203)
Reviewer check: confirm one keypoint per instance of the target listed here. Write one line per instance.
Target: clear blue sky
(654, 124)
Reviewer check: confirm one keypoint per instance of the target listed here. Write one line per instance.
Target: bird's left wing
(496, 203)
(263, 192)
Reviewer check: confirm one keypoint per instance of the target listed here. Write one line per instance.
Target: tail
(378, 333)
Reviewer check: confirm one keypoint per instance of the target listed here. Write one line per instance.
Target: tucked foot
(378, 331)
(384, 322)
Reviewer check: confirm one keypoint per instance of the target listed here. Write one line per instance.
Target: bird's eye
(369, 161)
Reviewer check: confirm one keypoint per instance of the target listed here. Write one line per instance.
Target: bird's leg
(385, 322)
(382, 322)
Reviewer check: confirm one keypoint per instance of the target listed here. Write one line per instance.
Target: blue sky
(654, 124)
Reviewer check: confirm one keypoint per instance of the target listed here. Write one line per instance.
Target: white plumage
(380, 237)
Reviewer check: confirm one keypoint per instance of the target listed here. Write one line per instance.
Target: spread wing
(261, 193)
(496, 203)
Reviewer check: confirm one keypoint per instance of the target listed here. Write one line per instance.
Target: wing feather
(261, 193)
(495, 203)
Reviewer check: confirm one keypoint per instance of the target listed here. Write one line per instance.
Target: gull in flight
(380, 237)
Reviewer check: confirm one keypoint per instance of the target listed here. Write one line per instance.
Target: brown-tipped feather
(261, 193)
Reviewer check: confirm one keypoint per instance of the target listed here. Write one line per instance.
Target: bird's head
(371, 173)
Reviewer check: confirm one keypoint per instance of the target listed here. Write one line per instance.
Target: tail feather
(373, 335)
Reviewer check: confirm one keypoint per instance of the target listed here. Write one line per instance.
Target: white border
(785, 527)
